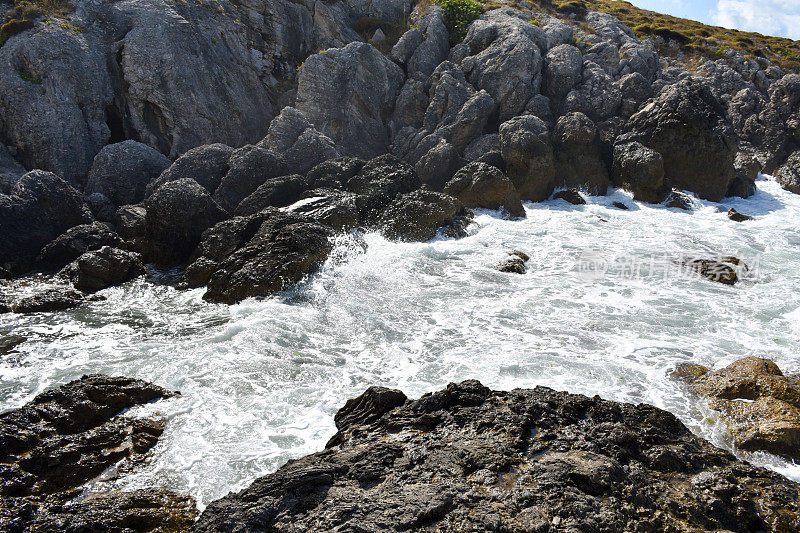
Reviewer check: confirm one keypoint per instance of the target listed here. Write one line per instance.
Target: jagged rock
(41, 207)
(122, 171)
(418, 216)
(378, 182)
(725, 270)
(433, 47)
(640, 170)
(299, 144)
(571, 196)
(505, 59)
(329, 207)
(276, 192)
(515, 263)
(334, 173)
(347, 94)
(103, 268)
(562, 70)
(46, 301)
(686, 124)
(249, 168)
(54, 87)
(67, 436)
(736, 216)
(129, 220)
(177, 215)
(467, 458)
(206, 165)
(285, 248)
(635, 90)
(578, 160)
(596, 96)
(789, 174)
(483, 186)
(439, 165)
(410, 106)
(101, 207)
(75, 242)
(760, 405)
(679, 200)
(528, 153)
(486, 149)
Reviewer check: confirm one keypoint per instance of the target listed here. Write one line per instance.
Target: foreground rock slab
(470, 459)
(760, 405)
(66, 437)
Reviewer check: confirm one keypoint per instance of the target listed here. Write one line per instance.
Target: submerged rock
(515, 263)
(65, 437)
(467, 458)
(46, 301)
(725, 270)
(736, 216)
(760, 405)
(679, 200)
(572, 196)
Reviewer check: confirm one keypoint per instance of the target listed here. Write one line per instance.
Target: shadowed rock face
(67, 436)
(467, 458)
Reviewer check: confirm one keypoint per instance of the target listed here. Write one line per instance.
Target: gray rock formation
(789, 174)
(206, 165)
(578, 160)
(528, 153)
(249, 168)
(641, 171)
(483, 186)
(122, 171)
(75, 242)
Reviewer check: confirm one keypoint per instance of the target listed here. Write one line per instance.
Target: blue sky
(770, 17)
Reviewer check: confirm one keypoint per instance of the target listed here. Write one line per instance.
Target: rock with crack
(206, 165)
(760, 405)
(65, 437)
(467, 458)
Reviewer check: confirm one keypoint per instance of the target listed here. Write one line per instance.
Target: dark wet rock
(747, 168)
(572, 196)
(439, 165)
(206, 165)
(122, 171)
(177, 215)
(640, 170)
(515, 263)
(788, 175)
(484, 186)
(679, 200)
(47, 301)
(578, 159)
(103, 268)
(347, 93)
(486, 149)
(528, 153)
(250, 167)
(467, 458)
(329, 207)
(419, 215)
(284, 249)
(102, 208)
(725, 270)
(334, 173)
(10, 170)
(620, 205)
(65, 437)
(130, 223)
(379, 182)
(300, 145)
(75, 242)
(736, 216)
(760, 405)
(41, 207)
(276, 192)
(687, 125)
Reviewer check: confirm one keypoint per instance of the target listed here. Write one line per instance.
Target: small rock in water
(760, 405)
(46, 301)
(724, 270)
(620, 205)
(736, 216)
(515, 263)
(572, 196)
(679, 200)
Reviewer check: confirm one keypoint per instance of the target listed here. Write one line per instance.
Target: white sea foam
(602, 310)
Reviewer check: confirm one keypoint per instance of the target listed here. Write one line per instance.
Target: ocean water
(603, 309)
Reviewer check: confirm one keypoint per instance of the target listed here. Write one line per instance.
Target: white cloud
(770, 17)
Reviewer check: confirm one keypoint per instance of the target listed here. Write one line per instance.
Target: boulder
(760, 405)
(686, 124)
(299, 144)
(788, 175)
(419, 215)
(46, 301)
(486, 149)
(103, 268)
(483, 186)
(75, 242)
(515, 263)
(679, 200)
(284, 249)
(640, 170)
(472, 459)
(571, 196)
(177, 215)
(736, 216)
(206, 165)
(578, 161)
(103, 209)
(249, 168)
(122, 171)
(437, 166)
(330, 207)
(528, 152)
(562, 70)
(129, 220)
(747, 167)
(725, 270)
(63, 439)
(596, 95)
(276, 192)
(379, 182)
(347, 94)
(334, 173)
(41, 207)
